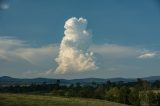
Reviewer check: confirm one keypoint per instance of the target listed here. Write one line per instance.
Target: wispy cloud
(147, 55)
(38, 55)
(115, 51)
(4, 5)
(17, 55)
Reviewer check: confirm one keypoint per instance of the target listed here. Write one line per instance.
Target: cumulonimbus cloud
(73, 53)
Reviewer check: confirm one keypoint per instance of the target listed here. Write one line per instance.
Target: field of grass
(39, 100)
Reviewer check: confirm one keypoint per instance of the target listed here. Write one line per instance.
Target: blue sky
(118, 26)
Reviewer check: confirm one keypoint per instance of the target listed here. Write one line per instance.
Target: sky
(124, 34)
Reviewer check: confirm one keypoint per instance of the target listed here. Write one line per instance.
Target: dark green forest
(138, 93)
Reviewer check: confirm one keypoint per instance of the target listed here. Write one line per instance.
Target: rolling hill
(10, 80)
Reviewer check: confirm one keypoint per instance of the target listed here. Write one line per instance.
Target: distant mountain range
(9, 80)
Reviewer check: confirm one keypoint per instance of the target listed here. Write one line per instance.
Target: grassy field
(39, 100)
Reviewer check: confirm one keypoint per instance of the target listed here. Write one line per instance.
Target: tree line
(137, 93)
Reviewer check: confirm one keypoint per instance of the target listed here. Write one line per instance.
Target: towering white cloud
(74, 54)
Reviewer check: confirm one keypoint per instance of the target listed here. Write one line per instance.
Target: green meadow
(7, 99)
